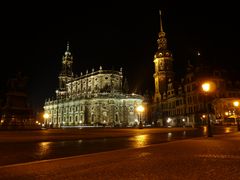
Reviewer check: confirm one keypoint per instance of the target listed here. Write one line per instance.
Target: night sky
(113, 35)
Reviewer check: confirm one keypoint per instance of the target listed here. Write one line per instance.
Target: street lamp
(206, 87)
(236, 104)
(45, 116)
(140, 109)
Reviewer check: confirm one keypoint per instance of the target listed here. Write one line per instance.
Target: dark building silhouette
(15, 111)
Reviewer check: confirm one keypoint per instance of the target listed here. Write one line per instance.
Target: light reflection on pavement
(20, 152)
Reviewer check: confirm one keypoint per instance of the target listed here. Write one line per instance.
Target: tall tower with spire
(66, 73)
(163, 61)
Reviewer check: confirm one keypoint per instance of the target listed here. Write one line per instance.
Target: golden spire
(162, 41)
(161, 27)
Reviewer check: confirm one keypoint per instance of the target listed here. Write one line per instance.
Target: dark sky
(113, 35)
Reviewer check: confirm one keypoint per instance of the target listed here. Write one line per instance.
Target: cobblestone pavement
(216, 157)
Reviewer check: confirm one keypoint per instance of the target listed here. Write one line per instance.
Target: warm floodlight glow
(140, 108)
(206, 87)
(169, 120)
(236, 103)
(46, 115)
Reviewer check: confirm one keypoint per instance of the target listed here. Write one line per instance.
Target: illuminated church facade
(97, 98)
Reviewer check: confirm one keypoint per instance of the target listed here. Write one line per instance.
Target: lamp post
(206, 87)
(140, 109)
(45, 116)
(236, 104)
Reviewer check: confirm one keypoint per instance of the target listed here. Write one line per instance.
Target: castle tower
(66, 73)
(163, 61)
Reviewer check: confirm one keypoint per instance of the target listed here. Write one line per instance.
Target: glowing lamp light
(236, 103)
(140, 108)
(206, 87)
(169, 120)
(46, 115)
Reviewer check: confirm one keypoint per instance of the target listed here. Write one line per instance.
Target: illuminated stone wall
(95, 82)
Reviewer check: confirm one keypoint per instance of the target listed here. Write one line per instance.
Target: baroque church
(182, 102)
(97, 98)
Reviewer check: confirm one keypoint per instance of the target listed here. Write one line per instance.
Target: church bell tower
(66, 73)
(163, 61)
